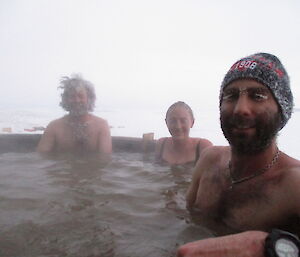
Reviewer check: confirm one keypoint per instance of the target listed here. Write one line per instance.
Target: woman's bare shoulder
(160, 141)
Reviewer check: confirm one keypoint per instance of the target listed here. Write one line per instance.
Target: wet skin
(179, 123)
(180, 148)
(266, 201)
(249, 116)
(77, 132)
(77, 100)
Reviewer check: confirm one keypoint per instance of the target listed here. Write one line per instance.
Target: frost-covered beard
(78, 109)
(266, 124)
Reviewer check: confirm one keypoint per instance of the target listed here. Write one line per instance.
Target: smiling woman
(180, 148)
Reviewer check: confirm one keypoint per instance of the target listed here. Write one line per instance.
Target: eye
(171, 121)
(258, 95)
(230, 95)
(184, 121)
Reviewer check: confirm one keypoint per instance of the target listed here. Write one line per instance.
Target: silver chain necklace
(257, 173)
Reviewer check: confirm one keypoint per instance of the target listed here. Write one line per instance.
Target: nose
(76, 99)
(177, 124)
(242, 106)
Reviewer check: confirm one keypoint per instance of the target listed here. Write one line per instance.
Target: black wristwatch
(280, 243)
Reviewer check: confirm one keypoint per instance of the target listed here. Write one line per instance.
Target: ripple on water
(67, 207)
(74, 238)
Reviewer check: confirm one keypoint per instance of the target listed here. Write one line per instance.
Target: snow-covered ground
(134, 123)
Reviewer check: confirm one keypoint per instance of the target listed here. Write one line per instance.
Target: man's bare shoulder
(56, 123)
(293, 162)
(290, 167)
(202, 142)
(215, 153)
(205, 143)
(98, 120)
(210, 157)
(289, 179)
(49, 137)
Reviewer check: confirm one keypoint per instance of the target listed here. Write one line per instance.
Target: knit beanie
(268, 70)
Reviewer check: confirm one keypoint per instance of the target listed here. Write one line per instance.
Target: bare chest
(178, 155)
(248, 205)
(77, 138)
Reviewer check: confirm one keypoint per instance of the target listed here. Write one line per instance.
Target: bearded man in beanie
(249, 188)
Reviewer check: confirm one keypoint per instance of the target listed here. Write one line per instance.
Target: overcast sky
(139, 54)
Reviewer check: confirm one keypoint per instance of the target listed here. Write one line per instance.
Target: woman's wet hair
(69, 84)
(183, 105)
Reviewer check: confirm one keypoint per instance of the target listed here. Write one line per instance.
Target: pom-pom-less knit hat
(268, 70)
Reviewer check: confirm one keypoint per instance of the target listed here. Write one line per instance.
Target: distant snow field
(135, 123)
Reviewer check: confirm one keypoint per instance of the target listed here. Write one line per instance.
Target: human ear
(192, 123)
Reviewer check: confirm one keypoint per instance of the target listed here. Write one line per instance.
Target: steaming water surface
(68, 207)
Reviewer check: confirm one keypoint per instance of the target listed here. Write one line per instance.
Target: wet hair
(69, 84)
(180, 104)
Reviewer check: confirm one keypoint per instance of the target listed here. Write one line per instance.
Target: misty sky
(139, 54)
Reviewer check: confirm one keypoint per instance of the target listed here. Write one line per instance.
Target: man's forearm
(246, 244)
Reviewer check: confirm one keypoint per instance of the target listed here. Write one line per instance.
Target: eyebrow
(259, 89)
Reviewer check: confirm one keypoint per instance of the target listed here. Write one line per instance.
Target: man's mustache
(242, 122)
